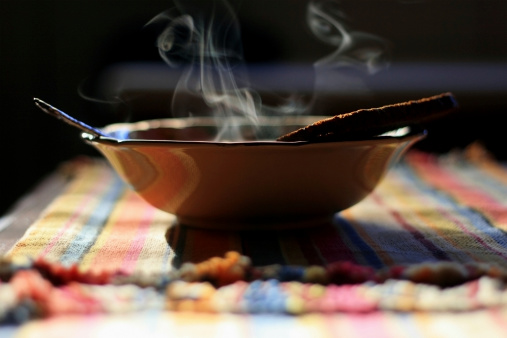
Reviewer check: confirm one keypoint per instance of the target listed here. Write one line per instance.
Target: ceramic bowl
(175, 165)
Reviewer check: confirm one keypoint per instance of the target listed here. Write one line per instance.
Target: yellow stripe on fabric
(88, 261)
(424, 213)
(314, 325)
(114, 245)
(451, 226)
(71, 209)
(374, 216)
(154, 257)
(189, 324)
(449, 231)
(442, 178)
(479, 215)
(407, 202)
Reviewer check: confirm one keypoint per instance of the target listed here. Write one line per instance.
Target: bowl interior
(207, 128)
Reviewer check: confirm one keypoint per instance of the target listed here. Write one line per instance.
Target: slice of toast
(366, 123)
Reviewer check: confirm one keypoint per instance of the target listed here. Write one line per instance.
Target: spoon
(68, 119)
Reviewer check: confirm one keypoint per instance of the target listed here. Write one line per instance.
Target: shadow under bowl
(175, 165)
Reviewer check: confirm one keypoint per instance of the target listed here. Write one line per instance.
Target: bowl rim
(399, 135)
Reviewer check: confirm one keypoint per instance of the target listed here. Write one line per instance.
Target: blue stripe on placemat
(91, 230)
(366, 251)
(475, 218)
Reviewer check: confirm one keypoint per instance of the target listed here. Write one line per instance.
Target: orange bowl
(175, 165)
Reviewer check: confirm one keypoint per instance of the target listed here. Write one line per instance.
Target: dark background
(62, 52)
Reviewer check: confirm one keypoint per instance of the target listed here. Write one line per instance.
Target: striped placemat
(428, 243)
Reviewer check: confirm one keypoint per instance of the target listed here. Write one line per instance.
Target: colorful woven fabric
(428, 246)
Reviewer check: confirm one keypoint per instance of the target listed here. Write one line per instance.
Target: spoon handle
(68, 119)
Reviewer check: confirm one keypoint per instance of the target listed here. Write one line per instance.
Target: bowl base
(257, 224)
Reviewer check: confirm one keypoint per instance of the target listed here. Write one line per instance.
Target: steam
(203, 38)
(353, 48)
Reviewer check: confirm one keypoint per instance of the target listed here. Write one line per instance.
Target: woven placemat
(431, 238)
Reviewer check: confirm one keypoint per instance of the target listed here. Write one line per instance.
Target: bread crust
(375, 121)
